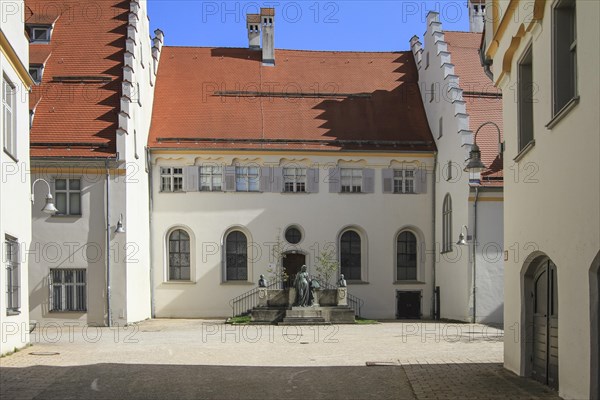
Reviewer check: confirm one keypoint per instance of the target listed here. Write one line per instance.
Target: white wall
(543, 215)
(454, 269)
(207, 216)
(15, 218)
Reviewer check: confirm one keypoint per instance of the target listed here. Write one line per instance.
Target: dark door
(408, 304)
(292, 264)
(545, 325)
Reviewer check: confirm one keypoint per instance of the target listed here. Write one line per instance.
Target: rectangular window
(171, 179)
(39, 34)
(13, 279)
(404, 181)
(36, 73)
(294, 180)
(9, 131)
(351, 180)
(525, 99)
(67, 193)
(211, 178)
(564, 55)
(68, 290)
(247, 179)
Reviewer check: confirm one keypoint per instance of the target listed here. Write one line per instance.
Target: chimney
(253, 24)
(267, 17)
(476, 15)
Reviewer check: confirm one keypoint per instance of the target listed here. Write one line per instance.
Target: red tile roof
(484, 101)
(308, 100)
(81, 115)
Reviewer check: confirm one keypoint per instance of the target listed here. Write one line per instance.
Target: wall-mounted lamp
(120, 228)
(49, 208)
(475, 164)
(462, 239)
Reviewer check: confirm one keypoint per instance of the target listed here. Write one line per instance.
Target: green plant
(327, 266)
(241, 320)
(276, 271)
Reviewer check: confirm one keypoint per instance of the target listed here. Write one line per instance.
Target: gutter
(474, 255)
(151, 255)
(436, 311)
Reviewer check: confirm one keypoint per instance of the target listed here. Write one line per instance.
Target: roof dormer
(39, 33)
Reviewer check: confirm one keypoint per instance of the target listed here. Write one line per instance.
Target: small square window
(39, 34)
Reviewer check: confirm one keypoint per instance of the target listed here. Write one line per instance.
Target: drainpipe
(433, 226)
(474, 255)
(108, 311)
(151, 255)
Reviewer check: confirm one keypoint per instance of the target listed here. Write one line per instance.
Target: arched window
(236, 262)
(350, 255)
(179, 256)
(447, 224)
(406, 256)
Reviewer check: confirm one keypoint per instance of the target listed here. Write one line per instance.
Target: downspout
(475, 254)
(107, 255)
(436, 312)
(151, 256)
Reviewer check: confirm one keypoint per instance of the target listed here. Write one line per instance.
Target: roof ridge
(297, 50)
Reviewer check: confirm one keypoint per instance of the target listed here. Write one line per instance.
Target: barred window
(68, 290)
(171, 179)
(13, 279)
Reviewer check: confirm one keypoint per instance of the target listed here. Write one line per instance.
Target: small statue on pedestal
(342, 281)
(262, 282)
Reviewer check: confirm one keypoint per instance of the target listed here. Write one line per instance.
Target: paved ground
(207, 359)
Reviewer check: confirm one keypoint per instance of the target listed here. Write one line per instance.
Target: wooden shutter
(421, 180)
(229, 178)
(368, 180)
(191, 179)
(266, 179)
(277, 180)
(312, 180)
(388, 180)
(335, 184)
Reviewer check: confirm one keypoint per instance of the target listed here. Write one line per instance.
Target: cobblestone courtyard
(207, 359)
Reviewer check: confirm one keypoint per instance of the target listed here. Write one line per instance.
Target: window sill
(409, 282)
(524, 151)
(240, 283)
(179, 282)
(563, 112)
(67, 312)
(12, 313)
(66, 216)
(349, 282)
(8, 153)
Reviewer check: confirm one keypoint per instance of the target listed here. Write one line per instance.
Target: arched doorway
(292, 262)
(541, 296)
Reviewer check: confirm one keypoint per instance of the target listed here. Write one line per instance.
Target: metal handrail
(245, 302)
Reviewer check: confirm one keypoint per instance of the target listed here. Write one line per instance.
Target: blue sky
(304, 24)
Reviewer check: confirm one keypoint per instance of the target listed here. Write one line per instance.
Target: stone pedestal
(342, 296)
(304, 316)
